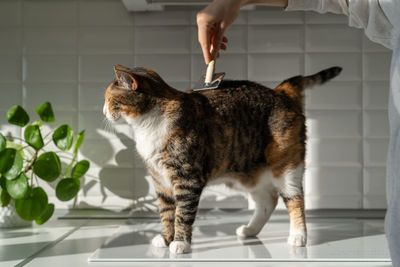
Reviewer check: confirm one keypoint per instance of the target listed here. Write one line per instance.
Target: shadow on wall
(118, 177)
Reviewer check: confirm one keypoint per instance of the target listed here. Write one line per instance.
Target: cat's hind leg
(298, 230)
(291, 190)
(265, 203)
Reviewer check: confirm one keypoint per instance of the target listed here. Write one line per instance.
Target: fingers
(222, 46)
(210, 35)
(217, 40)
(205, 41)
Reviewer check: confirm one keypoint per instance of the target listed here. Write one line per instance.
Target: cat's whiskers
(108, 126)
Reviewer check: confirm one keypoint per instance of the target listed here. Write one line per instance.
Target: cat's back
(240, 96)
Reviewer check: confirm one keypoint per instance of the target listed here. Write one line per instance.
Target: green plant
(24, 160)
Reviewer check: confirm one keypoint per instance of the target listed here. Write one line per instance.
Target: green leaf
(17, 147)
(14, 145)
(67, 189)
(3, 142)
(2, 184)
(17, 115)
(33, 205)
(47, 166)
(45, 112)
(18, 187)
(63, 137)
(80, 169)
(79, 141)
(33, 136)
(10, 163)
(6, 159)
(4, 198)
(38, 123)
(46, 215)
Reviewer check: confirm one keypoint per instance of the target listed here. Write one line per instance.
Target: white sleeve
(366, 14)
(320, 6)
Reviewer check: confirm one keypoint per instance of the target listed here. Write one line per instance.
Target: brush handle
(210, 72)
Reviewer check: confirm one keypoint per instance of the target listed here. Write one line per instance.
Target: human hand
(212, 23)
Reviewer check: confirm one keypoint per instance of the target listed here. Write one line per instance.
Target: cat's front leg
(187, 196)
(166, 207)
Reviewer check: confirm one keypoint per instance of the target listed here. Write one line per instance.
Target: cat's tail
(295, 86)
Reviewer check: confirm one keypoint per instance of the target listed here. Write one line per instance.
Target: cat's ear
(125, 78)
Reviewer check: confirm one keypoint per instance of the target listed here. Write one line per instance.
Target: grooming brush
(211, 80)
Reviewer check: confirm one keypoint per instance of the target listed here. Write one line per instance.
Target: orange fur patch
(295, 208)
(286, 150)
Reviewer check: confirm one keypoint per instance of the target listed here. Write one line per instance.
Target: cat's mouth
(112, 117)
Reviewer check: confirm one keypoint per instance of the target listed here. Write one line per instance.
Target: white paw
(159, 242)
(179, 247)
(298, 240)
(245, 231)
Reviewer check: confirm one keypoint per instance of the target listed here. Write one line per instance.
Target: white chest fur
(150, 130)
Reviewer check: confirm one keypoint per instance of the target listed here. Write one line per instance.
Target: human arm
(217, 17)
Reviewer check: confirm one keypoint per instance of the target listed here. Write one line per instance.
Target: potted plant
(26, 162)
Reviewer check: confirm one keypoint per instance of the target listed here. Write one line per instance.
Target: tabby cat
(243, 134)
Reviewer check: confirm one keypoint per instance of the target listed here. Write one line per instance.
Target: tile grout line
(133, 62)
(78, 57)
(50, 244)
(247, 45)
(78, 82)
(192, 15)
(304, 107)
(362, 123)
(23, 91)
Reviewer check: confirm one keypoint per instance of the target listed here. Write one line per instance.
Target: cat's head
(132, 93)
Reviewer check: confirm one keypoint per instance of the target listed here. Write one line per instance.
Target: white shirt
(374, 16)
(380, 20)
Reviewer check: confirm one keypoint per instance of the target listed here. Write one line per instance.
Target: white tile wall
(49, 13)
(162, 40)
(268, 67)
(66, 54)
(50, 68)
(275, 38)
(56, 41)
(12, 44)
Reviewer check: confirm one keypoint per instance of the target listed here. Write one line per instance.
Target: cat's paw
(245, 231)
(159, 242)
(179, 247)
(298, 240)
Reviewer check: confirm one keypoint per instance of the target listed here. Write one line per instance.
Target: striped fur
(244, 135)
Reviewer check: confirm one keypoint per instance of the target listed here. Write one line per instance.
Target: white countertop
(70, 242)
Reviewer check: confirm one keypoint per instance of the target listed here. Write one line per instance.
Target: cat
(243, 134)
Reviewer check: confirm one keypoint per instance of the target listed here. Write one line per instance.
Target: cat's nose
(105, 110)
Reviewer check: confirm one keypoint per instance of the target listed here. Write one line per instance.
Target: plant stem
(69, 167)
(75, 200)
(32, 179)
(32, 162)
